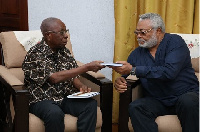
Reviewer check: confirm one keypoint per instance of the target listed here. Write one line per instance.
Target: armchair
(16, 97)
(167, 123)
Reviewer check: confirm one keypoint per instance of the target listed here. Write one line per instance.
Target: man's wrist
(133, 71)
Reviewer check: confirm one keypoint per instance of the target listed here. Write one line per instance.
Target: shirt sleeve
(72, 61)
(175, 59)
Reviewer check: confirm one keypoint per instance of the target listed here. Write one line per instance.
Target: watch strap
(133, 71)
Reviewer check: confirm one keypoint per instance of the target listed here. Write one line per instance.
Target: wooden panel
(9, 7)
(13, 17)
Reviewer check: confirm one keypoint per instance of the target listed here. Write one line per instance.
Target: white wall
(91, 24)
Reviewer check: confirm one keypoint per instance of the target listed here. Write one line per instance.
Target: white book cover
(83, 95)
(111, 64)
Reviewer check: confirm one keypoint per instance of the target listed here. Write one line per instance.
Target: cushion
(192, 41)
(28, 38)
(13, 51)
(195, 64)
(163, 124)
(197, 74)
(36, 124)
(168, 120)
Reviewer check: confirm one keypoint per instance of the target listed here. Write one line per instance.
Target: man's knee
(188, 101)
(54, 120)
(134, 106)
(55, 115)
(93, 104)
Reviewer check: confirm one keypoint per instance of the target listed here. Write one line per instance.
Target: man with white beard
(162, 63)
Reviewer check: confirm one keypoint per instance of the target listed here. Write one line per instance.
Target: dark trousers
(53, 114)
(144, 111)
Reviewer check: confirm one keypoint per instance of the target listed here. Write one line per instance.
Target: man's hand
(94, 66)
(124, 70)
(82, 87)
(120, 85)
(85, 89)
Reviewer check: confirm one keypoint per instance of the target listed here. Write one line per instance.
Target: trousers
(52, 113)
(144, 111)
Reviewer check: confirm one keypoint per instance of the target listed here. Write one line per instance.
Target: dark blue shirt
(169, 74)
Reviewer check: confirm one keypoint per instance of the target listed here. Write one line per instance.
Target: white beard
(150, 43)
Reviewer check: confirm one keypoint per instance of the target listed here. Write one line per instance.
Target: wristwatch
(133, 71)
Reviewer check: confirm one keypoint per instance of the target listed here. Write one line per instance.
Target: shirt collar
(44, 47)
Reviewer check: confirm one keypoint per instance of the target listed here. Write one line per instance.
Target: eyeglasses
(63, 32)
(142, 32)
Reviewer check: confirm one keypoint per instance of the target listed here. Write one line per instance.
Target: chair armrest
(7, 78)
(10, 85)
(125, 100)
(106, 98)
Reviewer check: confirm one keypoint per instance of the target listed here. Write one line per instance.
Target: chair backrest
(13, 50)
(192, 41)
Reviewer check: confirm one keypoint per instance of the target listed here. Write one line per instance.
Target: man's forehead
(144, 24)
(58, 25)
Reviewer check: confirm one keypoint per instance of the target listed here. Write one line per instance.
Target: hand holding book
(111, 64)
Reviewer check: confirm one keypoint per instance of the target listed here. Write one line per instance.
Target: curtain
(180, 16)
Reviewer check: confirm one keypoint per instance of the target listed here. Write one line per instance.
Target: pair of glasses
(142, 32)
(62, 32)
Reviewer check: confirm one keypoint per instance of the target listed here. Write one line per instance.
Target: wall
(91, 25)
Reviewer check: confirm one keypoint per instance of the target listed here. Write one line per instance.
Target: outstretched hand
(124, 70)
(95, 66)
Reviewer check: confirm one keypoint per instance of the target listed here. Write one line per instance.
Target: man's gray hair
(48, 24)
(156, 20)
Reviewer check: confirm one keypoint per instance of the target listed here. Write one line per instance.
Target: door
(13, 17)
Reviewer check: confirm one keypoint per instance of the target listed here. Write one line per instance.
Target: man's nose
(138, 35)
(65, 35)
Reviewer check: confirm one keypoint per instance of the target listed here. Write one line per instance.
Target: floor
(114, 127)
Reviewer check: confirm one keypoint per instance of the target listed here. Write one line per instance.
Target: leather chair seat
(36, 124)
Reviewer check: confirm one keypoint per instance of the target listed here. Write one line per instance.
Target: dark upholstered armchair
(16, 97)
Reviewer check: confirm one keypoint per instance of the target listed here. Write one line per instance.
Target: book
(112, 64)
(83, 95)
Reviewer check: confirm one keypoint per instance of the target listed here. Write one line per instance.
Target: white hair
(156, 20)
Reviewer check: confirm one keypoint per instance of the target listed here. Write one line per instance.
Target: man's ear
(159, 29)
